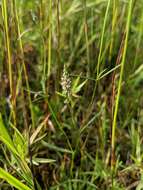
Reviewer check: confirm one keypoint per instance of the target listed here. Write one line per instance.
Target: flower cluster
(66, 82)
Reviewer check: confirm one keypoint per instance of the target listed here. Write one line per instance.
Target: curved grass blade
(12, 180)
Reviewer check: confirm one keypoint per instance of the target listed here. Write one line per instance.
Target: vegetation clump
(71, 78)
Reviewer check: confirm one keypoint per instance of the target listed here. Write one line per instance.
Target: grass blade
(12, 180)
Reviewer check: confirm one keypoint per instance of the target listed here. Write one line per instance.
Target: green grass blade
(120, 80)
(12, 180)
(5, 138)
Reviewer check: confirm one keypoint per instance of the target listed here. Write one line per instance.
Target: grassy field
(71, 96)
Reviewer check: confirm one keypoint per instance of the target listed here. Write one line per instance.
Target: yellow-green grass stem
(23, 66)
(101, 47)
(114, 123)
(50, 38)
(139, 39)
(97, 69)
(113, 30)
(5, 19)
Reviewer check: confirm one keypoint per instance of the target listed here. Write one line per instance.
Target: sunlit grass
(70, 99)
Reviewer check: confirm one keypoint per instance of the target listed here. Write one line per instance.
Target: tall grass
(9, 58)
(70, 98)
(120, 80)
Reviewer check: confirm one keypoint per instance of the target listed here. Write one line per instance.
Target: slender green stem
(101, 47)
(86, 37)
(49, 37)
(23, 66)
(113, 30)
(43, 45)
(5, 19)
(120, 83)
(102, 38)
(59, 45)
(90, 107)
(139, 39)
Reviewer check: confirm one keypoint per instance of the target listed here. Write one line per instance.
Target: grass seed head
(66, 82)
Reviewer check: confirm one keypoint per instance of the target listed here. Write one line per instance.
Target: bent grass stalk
(101, 47)
(114, 123)
(102, 38)
(99, 59)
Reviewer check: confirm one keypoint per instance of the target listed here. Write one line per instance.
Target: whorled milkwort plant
(66, 84)
(70, 88)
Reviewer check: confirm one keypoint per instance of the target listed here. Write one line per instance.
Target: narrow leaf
(12, 180)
